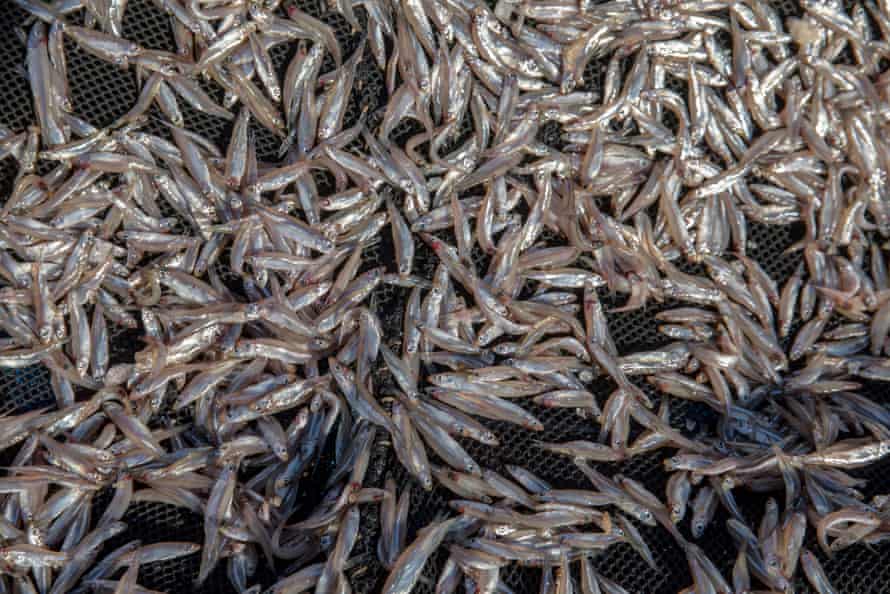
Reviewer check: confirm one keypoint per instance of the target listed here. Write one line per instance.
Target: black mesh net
(102, 92)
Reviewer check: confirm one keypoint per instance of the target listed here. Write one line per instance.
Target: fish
(455, 252)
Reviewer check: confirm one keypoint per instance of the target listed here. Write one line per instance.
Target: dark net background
(101, 93)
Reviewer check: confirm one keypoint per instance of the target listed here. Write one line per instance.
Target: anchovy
(247, 281)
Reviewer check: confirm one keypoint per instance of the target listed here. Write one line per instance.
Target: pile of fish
(261, 356)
